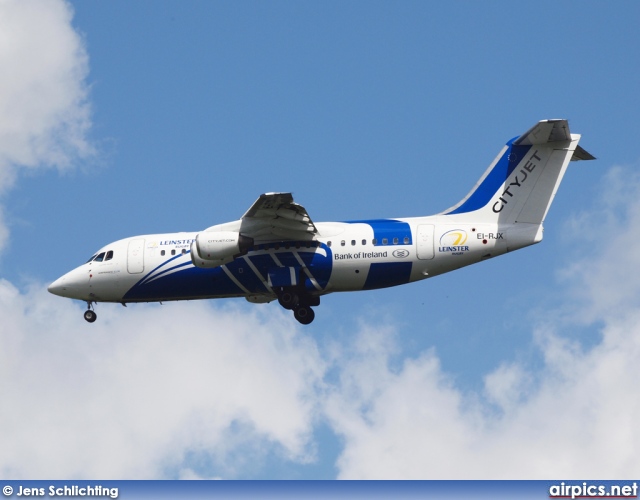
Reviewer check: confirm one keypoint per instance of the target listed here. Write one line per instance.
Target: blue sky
(147, 117)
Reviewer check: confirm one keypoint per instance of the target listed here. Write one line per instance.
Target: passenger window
(364, 242)
(353, 243)
(109, 255)
(173, 252)
(395, 241)
(184, 250)
(385, 241)
(342, 243)
(100, 257)
(406, 240)
(162, 253)
(328, 243)
(374, 241)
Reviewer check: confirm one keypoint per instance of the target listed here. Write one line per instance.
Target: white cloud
(609, 284)
(138, 392)
(44, 111)
(579, 421)
(572, 417)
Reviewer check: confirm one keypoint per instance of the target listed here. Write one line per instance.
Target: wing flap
(276, 217)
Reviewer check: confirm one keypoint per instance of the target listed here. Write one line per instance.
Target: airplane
(276, 252)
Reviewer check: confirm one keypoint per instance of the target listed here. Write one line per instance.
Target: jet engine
(215, 248)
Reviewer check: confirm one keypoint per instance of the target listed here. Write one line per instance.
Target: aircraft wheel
(304, 314)
(90, 316)
(288, 300)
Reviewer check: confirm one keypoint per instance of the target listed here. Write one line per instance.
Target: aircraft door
(135, 256)
(424, 242)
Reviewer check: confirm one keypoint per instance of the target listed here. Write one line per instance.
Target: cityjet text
(517, 183)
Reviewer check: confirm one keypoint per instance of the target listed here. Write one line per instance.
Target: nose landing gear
(89, 314)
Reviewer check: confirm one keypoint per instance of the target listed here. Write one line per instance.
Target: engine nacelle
(215, 248)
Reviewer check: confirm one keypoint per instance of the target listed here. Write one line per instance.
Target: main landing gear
(299, 303)
(304, 314)
(90, 314)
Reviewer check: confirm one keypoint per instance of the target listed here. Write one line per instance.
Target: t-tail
(517, 189)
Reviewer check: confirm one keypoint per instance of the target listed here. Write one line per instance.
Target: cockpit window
(109, 255)
(92, 257)
(100, 257)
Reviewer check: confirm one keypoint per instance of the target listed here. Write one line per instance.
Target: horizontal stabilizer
(582, 154)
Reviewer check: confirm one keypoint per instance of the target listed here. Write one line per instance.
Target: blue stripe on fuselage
(162, 273)
(245, 275)
(150, 273)
(194, 282)
(385, 274)
(387, 229)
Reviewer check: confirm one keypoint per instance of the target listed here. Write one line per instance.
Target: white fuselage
(346, 256)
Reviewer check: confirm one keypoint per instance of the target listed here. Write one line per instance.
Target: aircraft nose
(69, 285)
(59, 287)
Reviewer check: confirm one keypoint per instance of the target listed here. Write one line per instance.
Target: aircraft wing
(276, 217)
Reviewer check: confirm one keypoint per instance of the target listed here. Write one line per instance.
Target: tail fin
(522, 181)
